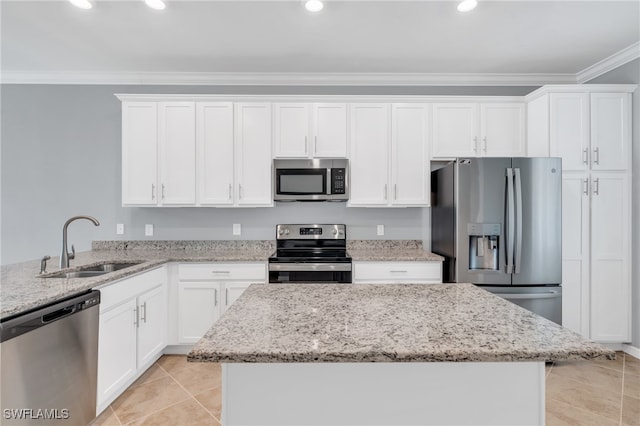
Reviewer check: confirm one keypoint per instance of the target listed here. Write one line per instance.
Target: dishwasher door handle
(56, 315)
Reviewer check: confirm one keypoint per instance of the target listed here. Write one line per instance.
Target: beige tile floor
(174, 392)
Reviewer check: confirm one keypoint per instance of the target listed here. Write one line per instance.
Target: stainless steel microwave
(311, 180)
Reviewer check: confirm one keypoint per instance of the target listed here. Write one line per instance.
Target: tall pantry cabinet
(589, 127)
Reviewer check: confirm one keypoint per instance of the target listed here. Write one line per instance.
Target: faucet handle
(43, 264)
(72, 255)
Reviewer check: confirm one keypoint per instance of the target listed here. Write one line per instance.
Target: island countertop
(283, 323)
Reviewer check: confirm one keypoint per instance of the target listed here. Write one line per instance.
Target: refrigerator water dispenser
(484, 249)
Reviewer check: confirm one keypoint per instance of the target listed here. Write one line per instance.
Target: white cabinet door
(610, 257)
(369, 163)
(291, 130)
(253, 160)
(177, 159)
(152, 324)
(455, 130)
(116, 349)
(329, 121)
(233, 290)
(198, 309)
(214, 136)
(575, 252)
(569, 129)
(139, 153)
(409, 155)
(538, 127)
(502, 130)
(610, 131)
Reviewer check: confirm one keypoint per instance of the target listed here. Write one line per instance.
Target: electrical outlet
(237, 229)
(148, 229)
(380, 229)
(120, 229)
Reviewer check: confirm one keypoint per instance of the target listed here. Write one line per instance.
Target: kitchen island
(331, 354)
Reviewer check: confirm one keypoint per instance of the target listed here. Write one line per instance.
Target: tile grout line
(191, 395)
(115, 415)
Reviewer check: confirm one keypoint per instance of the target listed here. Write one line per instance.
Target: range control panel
(313, 231)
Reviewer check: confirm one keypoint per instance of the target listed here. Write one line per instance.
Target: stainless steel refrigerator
(498, 223)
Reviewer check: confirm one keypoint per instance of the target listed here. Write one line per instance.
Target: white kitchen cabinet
(389, 155)
(610, 131)
(158, 153)
(215, 153)
(206, 290)
(369, 159)
(316, 130)
(139, 153)
(478, 130)
(415, 272)
(253, 155)
(569, 129)
(132, 331)
(177, 153)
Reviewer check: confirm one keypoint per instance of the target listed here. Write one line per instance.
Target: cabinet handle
(585, 184)
(135, 317)
(239, 191)
(144, 315)
(163, 191)
(475, 144)
(385, 192)
(226, 297)
(220, 272)
(399, 271)
(230, 191)
(306, 149)
(153, 191)
(215, 297)
(596, 156)
(596, 186)
(395, 191)
(315, 145)
(585, 156)
(484, 144)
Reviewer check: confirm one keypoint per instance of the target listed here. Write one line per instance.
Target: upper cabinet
(389, 155)
(478, 130)
(317, 130)
(158, 153)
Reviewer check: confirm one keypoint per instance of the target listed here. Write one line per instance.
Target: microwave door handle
(328, 181)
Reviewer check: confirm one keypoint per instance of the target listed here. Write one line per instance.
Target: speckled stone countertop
(389, 251)
(22, 288)
(364, 323)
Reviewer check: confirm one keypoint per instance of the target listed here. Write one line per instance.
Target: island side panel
(458, 393)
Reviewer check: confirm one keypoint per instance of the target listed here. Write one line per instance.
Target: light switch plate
(148, 229)
(120, 229)
(237, 229)
(380, 229)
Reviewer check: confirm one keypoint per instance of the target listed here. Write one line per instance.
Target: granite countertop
(23, 288)
(364, 323)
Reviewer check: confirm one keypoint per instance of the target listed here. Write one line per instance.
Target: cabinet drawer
(118, 292)
(398, 272)
(222, 271)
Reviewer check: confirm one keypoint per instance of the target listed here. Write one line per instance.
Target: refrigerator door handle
(518, 194)
(513, 296)
(509, 219)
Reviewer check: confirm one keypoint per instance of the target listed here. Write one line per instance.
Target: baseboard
(614, 346)
(177, 349)
(631, 350)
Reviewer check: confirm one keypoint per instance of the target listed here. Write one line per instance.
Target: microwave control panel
(338, 179)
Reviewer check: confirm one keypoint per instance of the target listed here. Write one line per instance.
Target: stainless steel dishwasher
(49, 359)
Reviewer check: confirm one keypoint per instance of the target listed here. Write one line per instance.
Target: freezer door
(538, 236)
(544, 301)
(480, 207)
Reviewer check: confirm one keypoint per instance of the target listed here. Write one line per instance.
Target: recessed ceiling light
(467, 5)
(82, 4)
(313, 5)
(155, 4)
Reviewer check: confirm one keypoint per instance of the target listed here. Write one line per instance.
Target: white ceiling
(543, 40)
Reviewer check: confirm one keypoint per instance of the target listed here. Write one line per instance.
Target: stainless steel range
(310, 254)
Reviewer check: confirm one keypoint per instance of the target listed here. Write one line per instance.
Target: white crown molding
(288, 79)
(612, 62)
(580, 88)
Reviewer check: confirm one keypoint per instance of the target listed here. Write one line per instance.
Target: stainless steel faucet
(66, 256)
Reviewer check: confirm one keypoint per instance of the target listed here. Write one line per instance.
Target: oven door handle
(310, 267)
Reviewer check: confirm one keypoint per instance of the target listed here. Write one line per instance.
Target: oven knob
(286, 232)
(334, 232)
(280, 232)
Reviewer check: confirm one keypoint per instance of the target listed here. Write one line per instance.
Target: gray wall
(61, 157)
(630, 73)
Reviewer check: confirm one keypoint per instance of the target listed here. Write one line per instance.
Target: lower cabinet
(205, 291)
(132, 331)
(418, 272)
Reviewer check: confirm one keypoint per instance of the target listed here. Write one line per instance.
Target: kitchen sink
(93, 270)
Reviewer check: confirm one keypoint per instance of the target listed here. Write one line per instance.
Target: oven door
(310, 273)
(301, 184)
